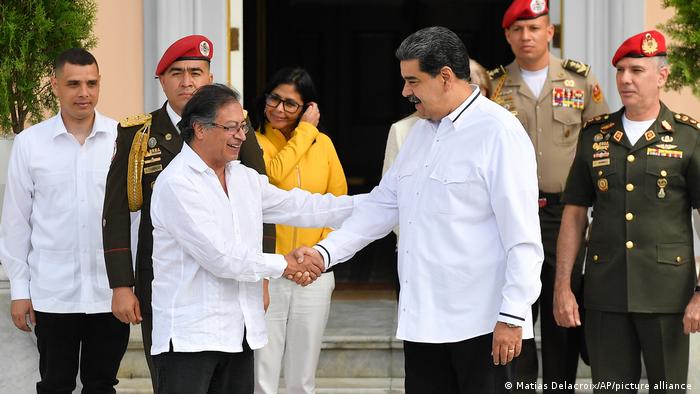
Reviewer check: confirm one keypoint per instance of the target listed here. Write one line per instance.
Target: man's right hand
(565, 308)
(125, 305)
(19, 311)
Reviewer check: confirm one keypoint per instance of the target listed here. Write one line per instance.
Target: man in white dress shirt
(464, 190)
(51, 238)
(207, 211)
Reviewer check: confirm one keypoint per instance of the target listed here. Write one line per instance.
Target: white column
(165, 21)
(593, 30)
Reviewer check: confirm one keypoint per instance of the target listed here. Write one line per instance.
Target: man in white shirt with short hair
(207, 211)
(51, 238)
(464, 191)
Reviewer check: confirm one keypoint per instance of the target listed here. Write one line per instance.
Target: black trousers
(205, 372)
(561, 347)
(455, 368)
(619, 341)
(95, 342)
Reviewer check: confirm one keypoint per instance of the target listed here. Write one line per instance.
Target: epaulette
(579, 68)
(135, 120)
(598, 119)
(497, 72)
(683, 118)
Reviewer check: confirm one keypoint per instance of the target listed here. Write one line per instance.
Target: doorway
(348, 48)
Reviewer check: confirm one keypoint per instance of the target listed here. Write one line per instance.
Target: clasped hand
(304, 265)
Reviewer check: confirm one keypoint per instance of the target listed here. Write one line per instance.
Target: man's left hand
(507, 343)
(691, 319)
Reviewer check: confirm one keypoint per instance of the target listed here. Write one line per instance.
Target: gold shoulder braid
(501, 74)
(139, 146)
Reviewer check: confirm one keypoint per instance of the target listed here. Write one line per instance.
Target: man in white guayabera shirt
(51, 238)
(464, 190)
(207, 211)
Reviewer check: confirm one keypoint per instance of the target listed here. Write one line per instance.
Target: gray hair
(436, 47)
(203, 106)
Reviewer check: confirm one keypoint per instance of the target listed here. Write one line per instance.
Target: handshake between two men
(304, 265)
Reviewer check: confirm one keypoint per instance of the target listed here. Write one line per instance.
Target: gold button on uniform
(630, 158)
(629, 187)
(678, 259)
(595, 257)
(629, 244)
(629, 216)
(663, 173)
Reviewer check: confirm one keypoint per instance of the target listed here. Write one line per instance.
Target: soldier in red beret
(639, 168)
(552, 98)
(145, 145)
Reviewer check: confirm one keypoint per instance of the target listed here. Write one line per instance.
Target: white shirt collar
(99, 125)
(174, 117)
(458, 112)
(195, 161)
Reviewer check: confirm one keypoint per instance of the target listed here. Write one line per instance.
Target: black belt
(547, 199)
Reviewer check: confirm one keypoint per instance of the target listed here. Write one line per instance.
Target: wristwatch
(511, 325)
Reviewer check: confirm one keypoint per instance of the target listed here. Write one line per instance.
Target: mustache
(413, 99)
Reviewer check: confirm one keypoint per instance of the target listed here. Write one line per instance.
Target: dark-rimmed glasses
(272, 100)
(243, 126)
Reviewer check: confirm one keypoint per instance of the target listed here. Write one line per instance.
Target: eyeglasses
(272, 100)
(243, 126)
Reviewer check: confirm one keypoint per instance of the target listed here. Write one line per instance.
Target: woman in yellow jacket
(296, 154)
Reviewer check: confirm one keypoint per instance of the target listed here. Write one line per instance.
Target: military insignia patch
(667, 127)
(649, 45)
(152, 169)
(601, 154)
(603, 145)
(135, 120)
(601, 162)
(649, 135)
(666, 138)
(152, 142)
(597, 93)
(618, 136)
(607, 126)
(568, 98)
(598, 137)
(152, 152)
(168, 137)
(569, 83)
(579, 68)
(603, 185)
(667, 146)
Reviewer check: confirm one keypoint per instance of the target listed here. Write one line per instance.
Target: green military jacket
(640, 252)
(163, 144)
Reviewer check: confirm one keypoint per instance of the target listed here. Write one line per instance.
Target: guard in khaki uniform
(639, 168)
(552, 98)
(145, 146)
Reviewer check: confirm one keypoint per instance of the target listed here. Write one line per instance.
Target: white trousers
(295, 321)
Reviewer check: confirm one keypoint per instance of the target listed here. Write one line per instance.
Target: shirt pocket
(666, 172)
(56, 190)
(449, 189)
(56, 270)
(566, 126)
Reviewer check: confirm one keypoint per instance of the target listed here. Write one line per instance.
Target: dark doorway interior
(348, 47)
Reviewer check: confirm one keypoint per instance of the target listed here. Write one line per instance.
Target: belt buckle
(542, 202)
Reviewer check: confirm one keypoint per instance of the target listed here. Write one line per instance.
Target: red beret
(195, 47)
(524, 9)
(647, 44)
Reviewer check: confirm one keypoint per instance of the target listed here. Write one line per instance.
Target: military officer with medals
(639, 168)
(552, 98)
(145, 146)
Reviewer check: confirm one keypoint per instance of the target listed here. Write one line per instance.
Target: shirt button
(629, 187)
(630, 158)
(629, 216)
(629, 244)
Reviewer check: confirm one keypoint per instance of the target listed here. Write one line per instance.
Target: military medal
(568, 98)
(598, 137)
(152, 142)
(662, 183)
(601, 162)
(603, 185)
(597, 94)
(676, 154)
(607, 126)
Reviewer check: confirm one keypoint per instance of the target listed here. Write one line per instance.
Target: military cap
(194, 47)
(647, 44)
(524, 9)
